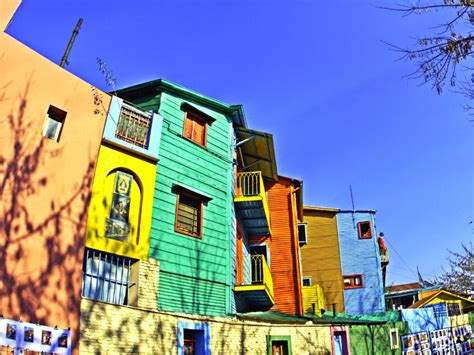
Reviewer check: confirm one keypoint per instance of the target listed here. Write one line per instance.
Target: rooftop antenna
(71, 42)
(352, 198)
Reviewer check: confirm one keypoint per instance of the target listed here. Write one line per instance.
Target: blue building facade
(360, 262)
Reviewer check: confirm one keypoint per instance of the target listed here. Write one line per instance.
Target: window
(353, 281)
(193, 339)
(302, 234)
(190, 341)
(117, 225)
(365, 230)
(133, 126)
(307, 281)
(53, 123)
(394, 338)
(189, 214)
(278, 345)
(109, 278)
(195, 128)
(453, 309)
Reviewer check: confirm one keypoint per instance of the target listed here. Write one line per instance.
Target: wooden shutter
(188, 127)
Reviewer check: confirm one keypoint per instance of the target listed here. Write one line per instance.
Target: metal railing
(106, 277)
(133, 126)
(249, 184)
(261, 274)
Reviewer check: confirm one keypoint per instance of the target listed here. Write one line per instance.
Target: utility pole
(71, 42)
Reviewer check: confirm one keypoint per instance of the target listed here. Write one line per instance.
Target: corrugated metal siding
(360, 256)
(283, 254)
(321, 258)
(191, 268)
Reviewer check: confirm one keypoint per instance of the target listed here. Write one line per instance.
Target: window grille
(133, 126)
(106, 277)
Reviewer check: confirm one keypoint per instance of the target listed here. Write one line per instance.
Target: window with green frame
(279, 345)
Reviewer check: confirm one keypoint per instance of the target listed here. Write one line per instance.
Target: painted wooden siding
(375, 339)
(195, 274)
(321, 258)
(284, 252)
(360, 256)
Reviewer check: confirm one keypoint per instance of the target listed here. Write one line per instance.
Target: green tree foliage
(460, 276)
(440, 56)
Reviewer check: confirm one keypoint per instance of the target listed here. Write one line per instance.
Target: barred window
(133, 126)
(189, 214)
(106, 277)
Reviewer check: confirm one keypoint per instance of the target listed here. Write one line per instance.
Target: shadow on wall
(39, 269)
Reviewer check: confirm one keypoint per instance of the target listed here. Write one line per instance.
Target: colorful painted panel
(360, 256)
(320, 256)
(117, 226)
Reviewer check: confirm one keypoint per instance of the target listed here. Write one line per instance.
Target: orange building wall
(284, 250)
(321, 259)
(44, 185)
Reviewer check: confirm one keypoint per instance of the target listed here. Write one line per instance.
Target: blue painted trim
(203, 340)
(113, 115)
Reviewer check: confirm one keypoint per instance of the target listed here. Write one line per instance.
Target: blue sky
(317, 75)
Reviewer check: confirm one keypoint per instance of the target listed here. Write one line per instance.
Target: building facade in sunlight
(155, 221)
(51, 133)
(342, 256)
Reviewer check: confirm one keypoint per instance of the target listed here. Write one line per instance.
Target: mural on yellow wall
(121, 204)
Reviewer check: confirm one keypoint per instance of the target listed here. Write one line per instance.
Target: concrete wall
(45, 185)
(112, 329)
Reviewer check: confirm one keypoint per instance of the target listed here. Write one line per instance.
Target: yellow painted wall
(455, 321)
(110, 160)
(447, 298)
(321, 258)
(313, 294)
(113, 329)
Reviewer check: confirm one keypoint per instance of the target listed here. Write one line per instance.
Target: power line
(401, 258)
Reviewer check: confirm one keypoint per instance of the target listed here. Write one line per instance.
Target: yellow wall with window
(112, 160)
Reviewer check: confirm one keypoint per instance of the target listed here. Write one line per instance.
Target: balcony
(258, 295)
(131, 129)
(251, 202)
(133, 126)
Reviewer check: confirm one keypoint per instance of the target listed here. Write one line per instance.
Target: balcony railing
(133, 126)
(261, 274)
(251, 197)
(249, 184)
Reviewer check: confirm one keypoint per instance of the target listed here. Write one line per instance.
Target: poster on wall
(416, 344)
(27, 336)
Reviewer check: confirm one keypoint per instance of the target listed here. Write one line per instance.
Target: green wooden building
(192, 232)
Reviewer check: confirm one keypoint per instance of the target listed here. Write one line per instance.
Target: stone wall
(113, 329)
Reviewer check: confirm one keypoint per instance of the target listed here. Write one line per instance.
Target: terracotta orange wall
(44, 185)
(7, 10)
(283, 245)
